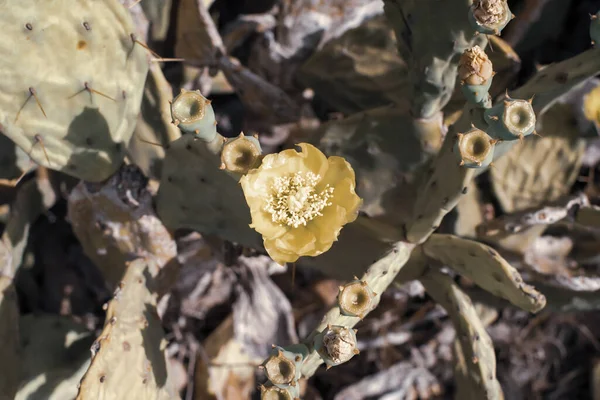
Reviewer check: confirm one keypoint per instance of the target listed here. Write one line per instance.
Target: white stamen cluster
(294, 201)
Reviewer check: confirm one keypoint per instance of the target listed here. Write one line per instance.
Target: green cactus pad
(484, 266)
(475, 345)
(595, 29)
(115, 222)
(195, 194)
(552, 82)
(128, 359)
(72, 82)
(541, 169)
(431, 36)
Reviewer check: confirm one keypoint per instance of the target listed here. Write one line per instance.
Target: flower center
(294, 201)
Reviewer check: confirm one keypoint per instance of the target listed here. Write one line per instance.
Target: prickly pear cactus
(128, 359)
(72, 81)
(217, 205)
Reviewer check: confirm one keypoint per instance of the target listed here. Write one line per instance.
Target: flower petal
(339, 169)
(279, 256)
(314, 159)
(298, 240)
(327, 227)
(263, 224)
(345, 196)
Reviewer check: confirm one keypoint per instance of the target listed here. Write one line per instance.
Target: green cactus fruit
(511, 119)
(195, 194)
(271, 392)
(490, 16)
(336, 345)
(193, 113)
(283, 367)
(474, 148)
(73, 76)
(128, 359)
(484, 266)
(476, 72)
(595, 29)
(241, 154)
(356, 298)
(475, 345)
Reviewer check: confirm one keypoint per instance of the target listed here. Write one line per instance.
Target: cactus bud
(241, 154)
(489, 16)
(192, 113)
(475, 67)
(356, 298)
(336, 345)
(475, 148)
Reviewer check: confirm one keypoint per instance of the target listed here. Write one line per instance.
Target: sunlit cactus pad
(71, 82)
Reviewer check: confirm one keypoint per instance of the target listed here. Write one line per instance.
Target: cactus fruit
(74, 104)
(128, 359)
(283, 366)
(356, 298)
(336, 345)
(475, 148)
(476, 72)
(272, 392)
(474, 344)
(484, 266)
(490, 16)
(541, 169)
(511, 119)
(193, 113)
(241, 154)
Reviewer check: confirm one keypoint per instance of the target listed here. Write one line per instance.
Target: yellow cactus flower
(299, 201)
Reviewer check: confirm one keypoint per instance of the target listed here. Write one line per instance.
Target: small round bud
(475, 67)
